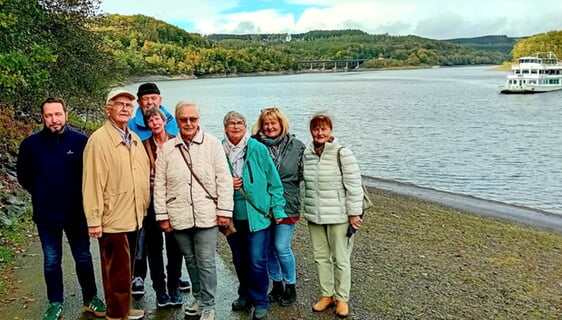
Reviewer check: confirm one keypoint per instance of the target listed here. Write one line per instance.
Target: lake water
(445, 128)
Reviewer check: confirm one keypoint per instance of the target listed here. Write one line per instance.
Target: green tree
(48, 49)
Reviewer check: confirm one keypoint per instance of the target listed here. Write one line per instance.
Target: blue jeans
(249, 254)
(79, 241)
(281, 260)
(198, 247)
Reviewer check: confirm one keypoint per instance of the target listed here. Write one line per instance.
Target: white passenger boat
(541, 73)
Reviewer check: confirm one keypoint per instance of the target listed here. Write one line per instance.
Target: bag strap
(193, 173)
(267, 215)
(365, 196)
(339, 162)
(148, 148)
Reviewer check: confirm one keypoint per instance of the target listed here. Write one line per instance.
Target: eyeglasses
(188, 119)
(236, 123)
(123, 105)
(269, 110)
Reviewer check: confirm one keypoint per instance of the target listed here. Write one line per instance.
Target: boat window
(534, 71)
(525, 71)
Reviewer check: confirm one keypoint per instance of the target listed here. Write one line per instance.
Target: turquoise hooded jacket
(262, 185)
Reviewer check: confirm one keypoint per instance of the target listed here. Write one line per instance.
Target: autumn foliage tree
(48, 49)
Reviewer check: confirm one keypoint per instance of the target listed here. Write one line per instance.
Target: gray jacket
(290, 172)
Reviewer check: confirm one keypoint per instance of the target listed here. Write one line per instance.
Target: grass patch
(14, 239)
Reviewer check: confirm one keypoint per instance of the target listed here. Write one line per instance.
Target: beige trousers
(332, 252)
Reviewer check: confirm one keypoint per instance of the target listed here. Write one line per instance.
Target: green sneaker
(96, 306)
(54, 311)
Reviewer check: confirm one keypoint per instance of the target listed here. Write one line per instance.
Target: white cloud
(265, 21)
(439, 19)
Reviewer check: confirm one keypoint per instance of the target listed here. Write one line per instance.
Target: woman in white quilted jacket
(332, 202)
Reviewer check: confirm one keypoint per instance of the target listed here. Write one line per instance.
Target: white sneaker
(208, 314)
(136, 314)
(193, 309)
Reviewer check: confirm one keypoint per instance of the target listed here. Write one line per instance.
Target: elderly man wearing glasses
(116, 191)
(192, 196)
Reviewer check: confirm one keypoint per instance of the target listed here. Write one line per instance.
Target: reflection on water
(445, 128)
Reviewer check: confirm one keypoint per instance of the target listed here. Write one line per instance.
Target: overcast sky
(436, 19)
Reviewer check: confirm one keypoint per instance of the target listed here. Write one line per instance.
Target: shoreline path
(28, 300)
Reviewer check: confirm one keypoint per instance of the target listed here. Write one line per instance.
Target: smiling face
(321, 129)
(321, 134)
(187, 117)
(54, 116)
(271, 127)
(120, 110)
(235, 129)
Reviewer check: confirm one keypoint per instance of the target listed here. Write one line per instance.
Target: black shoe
(259, 314)
(241, 304)
(175, 297)
(184, 285)
(162, 299)
(137, 288)
(276, 292)
(289, 296)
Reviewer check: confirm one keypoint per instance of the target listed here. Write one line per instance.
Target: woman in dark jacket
(272, 129)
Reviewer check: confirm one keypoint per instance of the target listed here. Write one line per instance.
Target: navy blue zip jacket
(49, 167)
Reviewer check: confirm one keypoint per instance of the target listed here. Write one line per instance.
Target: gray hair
(151, 112)
(181, 104)
(233, 115)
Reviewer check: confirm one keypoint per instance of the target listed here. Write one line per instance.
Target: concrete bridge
(345, 64)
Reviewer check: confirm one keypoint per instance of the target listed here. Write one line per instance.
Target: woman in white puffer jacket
(332, 202)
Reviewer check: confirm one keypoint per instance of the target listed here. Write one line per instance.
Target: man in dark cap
(148, 96)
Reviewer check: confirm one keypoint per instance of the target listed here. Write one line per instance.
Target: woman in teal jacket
(258, 198)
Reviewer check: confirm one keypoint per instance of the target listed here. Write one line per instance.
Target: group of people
(138, 177)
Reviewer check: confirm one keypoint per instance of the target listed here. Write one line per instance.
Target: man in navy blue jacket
(49, 167)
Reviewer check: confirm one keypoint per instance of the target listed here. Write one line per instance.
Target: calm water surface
(445, 128)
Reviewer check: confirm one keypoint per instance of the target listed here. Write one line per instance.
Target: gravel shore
(413, 259)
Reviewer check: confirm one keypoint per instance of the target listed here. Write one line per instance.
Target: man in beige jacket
(116, 191)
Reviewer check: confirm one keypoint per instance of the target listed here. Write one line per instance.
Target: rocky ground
(418, 260)
(412, 260)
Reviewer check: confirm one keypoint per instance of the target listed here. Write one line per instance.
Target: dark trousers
(249, 254)
(79, 241)
(116, 273)
(153, 245)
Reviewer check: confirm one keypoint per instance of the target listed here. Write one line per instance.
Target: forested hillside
(149, 46)
(549, 41)
(503, 44)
